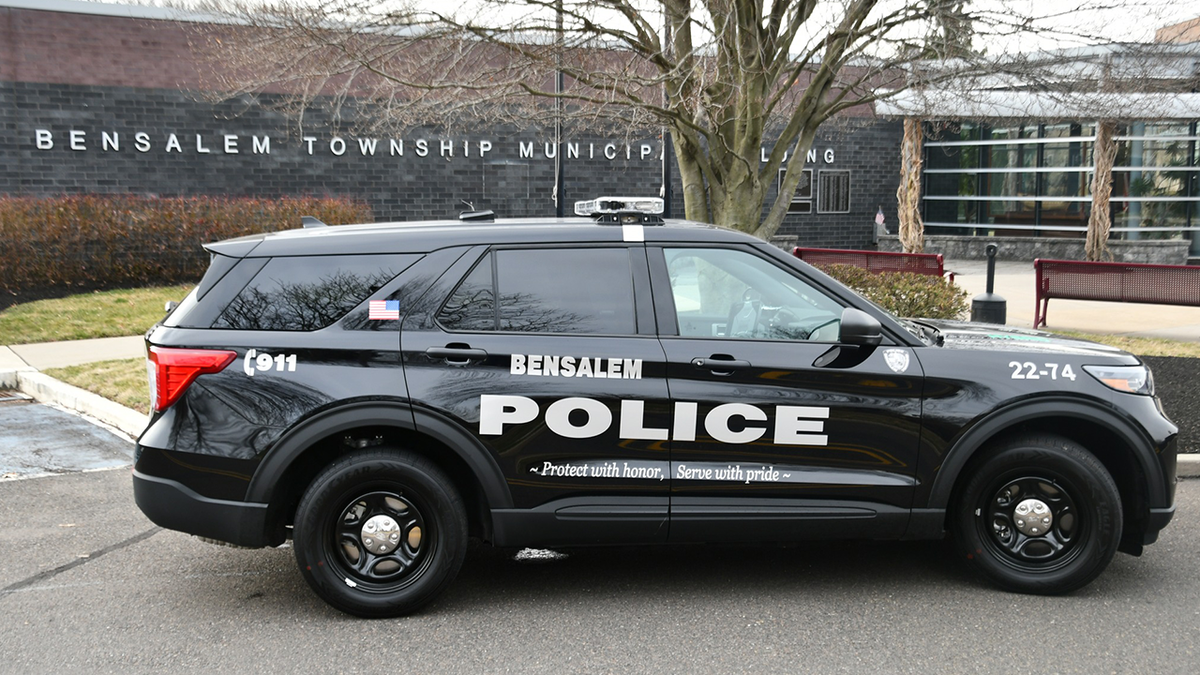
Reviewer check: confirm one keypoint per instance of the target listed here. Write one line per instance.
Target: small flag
(879, 217)
(384, 310)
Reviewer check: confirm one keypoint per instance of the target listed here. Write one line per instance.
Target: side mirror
(859, 328)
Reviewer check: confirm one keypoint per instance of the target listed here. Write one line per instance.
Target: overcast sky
(1115, 20)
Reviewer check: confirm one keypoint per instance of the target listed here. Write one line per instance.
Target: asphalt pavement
(92, 586)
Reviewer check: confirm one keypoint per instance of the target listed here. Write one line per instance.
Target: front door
(778, 433)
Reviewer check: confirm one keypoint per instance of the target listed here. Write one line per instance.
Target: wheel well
(301, 472)
(1110, 448)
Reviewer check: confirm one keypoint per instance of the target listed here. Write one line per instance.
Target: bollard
(989, 307)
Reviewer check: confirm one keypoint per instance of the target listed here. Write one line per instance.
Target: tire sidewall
(1072, 469)
(351, 477)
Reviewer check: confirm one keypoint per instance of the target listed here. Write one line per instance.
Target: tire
(1000, 529)
(417, 519)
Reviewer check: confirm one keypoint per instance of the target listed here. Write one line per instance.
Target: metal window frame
(800, 203)
(849, 198)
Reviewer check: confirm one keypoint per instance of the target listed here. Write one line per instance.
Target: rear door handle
(720, 366)
(456, 356)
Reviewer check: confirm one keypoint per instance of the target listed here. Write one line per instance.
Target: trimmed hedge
(904, 293)
(55, 245)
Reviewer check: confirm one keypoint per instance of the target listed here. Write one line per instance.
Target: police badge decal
(897, 359)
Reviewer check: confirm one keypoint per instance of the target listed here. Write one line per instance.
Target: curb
(49, 390)
(1188, 466)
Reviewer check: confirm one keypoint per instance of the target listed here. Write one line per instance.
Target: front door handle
(720, 364)
(456, 355)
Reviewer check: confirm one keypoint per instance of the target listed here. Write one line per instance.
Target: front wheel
(380, 533)
(1040, 515)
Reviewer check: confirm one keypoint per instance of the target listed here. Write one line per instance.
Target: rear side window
(552, 290)
(303, 293)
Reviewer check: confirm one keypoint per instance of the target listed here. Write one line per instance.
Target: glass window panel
(303, 293)
(1065, 214)
(472, 306)
(951, 184)
(566, 291)
(1011, 156)
(1023, 184)
(1016, 212)
(734, 294)
(1067, 153)
(1066, 184)
(1150, 183)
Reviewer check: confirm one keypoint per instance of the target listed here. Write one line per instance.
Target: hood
(992, 337)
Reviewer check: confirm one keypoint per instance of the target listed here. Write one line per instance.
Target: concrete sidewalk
(1015, 282)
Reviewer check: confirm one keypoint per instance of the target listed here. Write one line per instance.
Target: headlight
(1129, 379)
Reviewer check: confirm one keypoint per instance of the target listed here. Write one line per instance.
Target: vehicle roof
(429, 235)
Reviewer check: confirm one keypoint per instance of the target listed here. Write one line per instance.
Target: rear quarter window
(305, 293)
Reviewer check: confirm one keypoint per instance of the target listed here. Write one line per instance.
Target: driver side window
(734, 294)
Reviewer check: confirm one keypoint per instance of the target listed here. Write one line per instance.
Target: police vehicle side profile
(380, 393)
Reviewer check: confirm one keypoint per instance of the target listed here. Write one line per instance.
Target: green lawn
(1141, 345)
(122, 380)
(90, 315)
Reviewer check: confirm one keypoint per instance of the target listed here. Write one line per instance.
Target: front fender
(1112, 419)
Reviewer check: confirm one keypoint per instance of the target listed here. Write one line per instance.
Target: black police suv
(379, 393)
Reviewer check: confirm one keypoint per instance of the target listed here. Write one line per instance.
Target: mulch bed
(1177, 381)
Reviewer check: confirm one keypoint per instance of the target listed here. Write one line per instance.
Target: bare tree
(741, 85)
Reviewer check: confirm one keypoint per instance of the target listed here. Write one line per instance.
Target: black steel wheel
(1039, 515)
(380, 533)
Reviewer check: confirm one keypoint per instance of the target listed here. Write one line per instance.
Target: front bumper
(175, 506)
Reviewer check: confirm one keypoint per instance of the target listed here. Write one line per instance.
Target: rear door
(778, 432)
(547, 355)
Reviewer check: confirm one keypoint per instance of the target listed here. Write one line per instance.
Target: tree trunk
(1100, 220)
(695, 192)
(908, 195)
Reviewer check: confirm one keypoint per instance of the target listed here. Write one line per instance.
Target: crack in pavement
(50, 574)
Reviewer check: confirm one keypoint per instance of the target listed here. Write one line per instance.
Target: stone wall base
(1159, 252)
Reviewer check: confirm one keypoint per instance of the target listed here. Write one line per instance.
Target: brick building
(108, 98)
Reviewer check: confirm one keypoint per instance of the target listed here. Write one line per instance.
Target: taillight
(173, 370)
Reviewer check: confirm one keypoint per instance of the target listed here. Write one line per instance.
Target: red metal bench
(875, 261)
(1115, 282)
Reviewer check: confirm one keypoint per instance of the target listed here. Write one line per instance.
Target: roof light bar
(592, 207)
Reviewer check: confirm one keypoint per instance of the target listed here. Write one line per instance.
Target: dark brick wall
(870, 150)
(403, 187)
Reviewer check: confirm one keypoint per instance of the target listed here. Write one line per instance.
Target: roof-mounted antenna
(311, 221)
(475, 215)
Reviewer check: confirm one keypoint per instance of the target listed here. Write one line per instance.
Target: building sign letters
(449, 149)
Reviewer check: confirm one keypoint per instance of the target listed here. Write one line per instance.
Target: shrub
(904, 293)
(57, 245)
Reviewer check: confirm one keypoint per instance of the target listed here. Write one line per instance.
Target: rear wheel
(1040, 515)
(380, 533)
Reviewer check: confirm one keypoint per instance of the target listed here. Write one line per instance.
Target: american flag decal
(384, 310)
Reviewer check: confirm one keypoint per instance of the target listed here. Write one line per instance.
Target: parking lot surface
(38, 439)
(91, 586)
